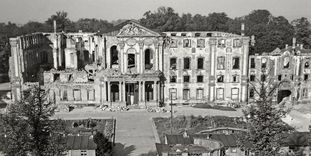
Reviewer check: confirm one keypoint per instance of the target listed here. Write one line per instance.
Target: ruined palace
(132, 65)
(290, 67)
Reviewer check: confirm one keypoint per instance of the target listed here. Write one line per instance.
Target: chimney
(54, 26)
(301, 46)
(294, 42)
(253, 40)
(286, 46)
(242, 29)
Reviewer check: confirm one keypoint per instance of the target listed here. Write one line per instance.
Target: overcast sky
(22, 11)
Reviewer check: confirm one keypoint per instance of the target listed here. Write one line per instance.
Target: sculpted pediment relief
(133, 29)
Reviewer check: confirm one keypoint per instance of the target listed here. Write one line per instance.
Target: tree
(93, 25)
(28, 127)
(63, 23)
(303, 31)
(104, 146)
(263, 118)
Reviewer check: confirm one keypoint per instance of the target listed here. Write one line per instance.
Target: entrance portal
(131, 90)
(282, 94)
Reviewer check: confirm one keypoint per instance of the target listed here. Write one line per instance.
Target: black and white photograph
(155, 77)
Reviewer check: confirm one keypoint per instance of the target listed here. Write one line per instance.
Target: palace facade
(135, 66)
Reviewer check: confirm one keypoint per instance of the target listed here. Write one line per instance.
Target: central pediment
(133, 29)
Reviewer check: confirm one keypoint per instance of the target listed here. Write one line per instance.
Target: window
(200, 93)
(200, 43)
(200, 63)
(237, 43)
(187, 79)
(252, 78)
(221, 63)
(83, 153)
(148, 59)
(263, 78)
(279, 77)
(173, 79)
(221, 43)
(186, 43)
(173, 93)
(183, 34)
(131, 60)
(286, 62)
(56, 76)
(77, 94)
(64, 96)
(186, 94)
(235, 78)
(173, 63)
(114, 56)
(253, 65)
(220, 78)
(306, 77)
(173, 43)
(235, 93)
(305, 92)
(173, 34)
(307, 65)
(220, 94)
(200, 79)
(197, 34)
(251, 93)
(263, 63)
(91, 95)
(236, 63)
(187, 63)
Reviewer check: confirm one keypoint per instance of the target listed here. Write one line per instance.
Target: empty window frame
(173, 79)
(200, 43)
(187, 63)
(235, 93)
(91, 95)
(173, 43)
(200, 93)
(173, 93)
(235, 78)
(186, 79)
(221, 43)
(286, 62)
(220, 78)
(173, 63)
(186, 43)
(131, 60)
(251, 92)
(307, 64)
(219, 93)
(280, 77)
(237, 43)
(253, 64)
(305, 77)
(186, 94)
(64, 96)
(221, 63)
(200, 79)
(263, 78)
(200, 63)
(148, 59)
(236, 63)
(252, 78)
(305, 92)
(77, 94)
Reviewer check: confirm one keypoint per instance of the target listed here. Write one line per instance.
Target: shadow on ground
(122, 150)
(150, 153)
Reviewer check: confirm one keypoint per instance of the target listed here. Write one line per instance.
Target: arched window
(131, 60)
(148, 59)
(114, 56)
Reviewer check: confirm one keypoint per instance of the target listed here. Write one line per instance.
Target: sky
(22, 11)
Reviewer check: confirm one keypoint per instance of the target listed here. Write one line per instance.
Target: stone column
(124, 91)
(120, 91)
(155, 91)
(139, 91)
(159, 92)
(244, 92)
(141, 46)
(160, 56)
(55, 55)
(109, 91)
(104, 93)
(212, 45)
(143, 91)
(60, 57)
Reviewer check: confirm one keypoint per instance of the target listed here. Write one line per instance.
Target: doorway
(282, 94)
(131, 90)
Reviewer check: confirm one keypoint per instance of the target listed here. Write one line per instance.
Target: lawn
(207, 106)
(194, 124)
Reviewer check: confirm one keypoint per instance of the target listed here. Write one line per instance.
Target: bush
(207, 106)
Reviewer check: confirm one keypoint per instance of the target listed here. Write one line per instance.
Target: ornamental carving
(131, 42)
(133, 29)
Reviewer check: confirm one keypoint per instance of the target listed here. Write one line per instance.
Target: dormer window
(183, 34)
(286, 62)
(197, 34)
(173, 34)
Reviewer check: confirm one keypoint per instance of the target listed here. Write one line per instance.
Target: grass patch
(194, 124)
(207, 106)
